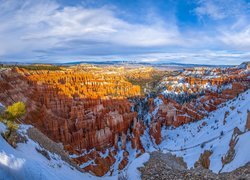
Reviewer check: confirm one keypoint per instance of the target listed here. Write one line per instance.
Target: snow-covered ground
(242, 155)
(190, 140)
(187, 141)
(132, 172)
(25, 163)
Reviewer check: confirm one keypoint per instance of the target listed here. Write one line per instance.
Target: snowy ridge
(190, 140)
(25, 163)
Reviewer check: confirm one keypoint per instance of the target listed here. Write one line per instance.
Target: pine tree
(12, 113)
(15, 111)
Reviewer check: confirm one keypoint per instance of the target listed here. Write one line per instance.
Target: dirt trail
(197, 145)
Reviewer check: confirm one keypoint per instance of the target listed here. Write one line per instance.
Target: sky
(179, 31)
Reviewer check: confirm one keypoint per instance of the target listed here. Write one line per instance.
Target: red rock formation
(81, 110)
(155, 131)
(124, 161)
(138, 130)
(102, 165)
(204, 160)
(88, 108)
(172, 113)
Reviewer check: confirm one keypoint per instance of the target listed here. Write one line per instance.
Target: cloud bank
(49, 31)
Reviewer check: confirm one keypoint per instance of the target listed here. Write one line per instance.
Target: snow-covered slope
(212, 133)
(242, 155)
(25, 163)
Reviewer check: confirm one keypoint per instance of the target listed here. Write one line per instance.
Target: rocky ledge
(167, 166)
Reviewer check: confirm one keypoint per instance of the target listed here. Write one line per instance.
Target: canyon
(104, 115)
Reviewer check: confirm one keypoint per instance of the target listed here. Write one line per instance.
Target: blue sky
(183, 31)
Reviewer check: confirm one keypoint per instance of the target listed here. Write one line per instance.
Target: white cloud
(200, 57)
(233, 29)
(222, 9)
(210, 9)
(41, 25)
(238, 40)
(43, 29)
(237, 35)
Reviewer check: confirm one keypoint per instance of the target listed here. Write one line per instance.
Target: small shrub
(221, 133)
(12, 125)
(203, 145)
(232, 108)
(15, 111)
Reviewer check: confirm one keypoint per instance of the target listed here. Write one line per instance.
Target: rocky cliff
(81, 110)
(100, 116)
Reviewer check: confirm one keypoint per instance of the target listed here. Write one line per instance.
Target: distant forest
(33, 67)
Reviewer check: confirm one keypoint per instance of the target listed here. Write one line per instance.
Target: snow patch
(133, 173)
(190, 140)
(242, 155)
(25, 162)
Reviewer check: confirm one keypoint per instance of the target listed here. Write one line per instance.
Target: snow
(118, 158)
(188, 140)
(132, 172)
(104, 155)
(25, 162)
(2, 127)
(242, 156)
(157, 103)
(87, 163)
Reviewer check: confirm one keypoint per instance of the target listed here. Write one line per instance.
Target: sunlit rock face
(101, 114)
(83, 110)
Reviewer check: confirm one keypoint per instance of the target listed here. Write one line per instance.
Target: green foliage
(12, 112)
(15, 111)
(41, 67)
(12, 125)
(34, 67)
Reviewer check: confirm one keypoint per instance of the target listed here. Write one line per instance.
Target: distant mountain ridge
(244, 65)
(116, 62)
(143, 63)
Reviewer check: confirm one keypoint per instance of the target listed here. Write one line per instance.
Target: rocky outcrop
(166, 166)
(170, 112)
(102, 165)
(137, 131)
(204, 160)
(91, 110)
(155, 131)
(124, 161)
(231, 151)
(46, 143)
(81, 110)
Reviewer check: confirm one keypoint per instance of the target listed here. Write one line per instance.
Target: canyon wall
(81, 110)
(96, 113)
